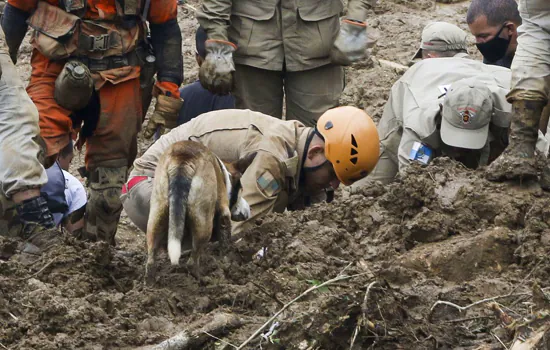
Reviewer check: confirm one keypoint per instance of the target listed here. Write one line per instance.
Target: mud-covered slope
(441, 233)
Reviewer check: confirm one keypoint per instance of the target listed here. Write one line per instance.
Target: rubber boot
(517, 162)
(34, 212)
(104, 205)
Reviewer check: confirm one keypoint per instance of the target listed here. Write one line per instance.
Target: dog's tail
(179, 185)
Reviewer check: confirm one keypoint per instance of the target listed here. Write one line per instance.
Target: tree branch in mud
(364, 320)
(458, 320)
(208, 327)
(464, 308)
(38, 272)
(189, 7)
(398, 67)
(259, 330)
(528, 275)
(271, 295)
(504, 318)
(219, 339)
(534, 341)
(500, 341)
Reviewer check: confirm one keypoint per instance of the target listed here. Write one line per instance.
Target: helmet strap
(304, 156)
(313, 168)
(308, 142)
(316, 131)
(329, 192)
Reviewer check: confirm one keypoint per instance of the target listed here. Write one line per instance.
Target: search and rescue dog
(195, 195)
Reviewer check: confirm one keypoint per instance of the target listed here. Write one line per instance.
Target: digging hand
(351, 44)
(216, 72)
(165, 115)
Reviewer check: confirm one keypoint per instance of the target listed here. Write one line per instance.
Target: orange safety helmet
(351, 142)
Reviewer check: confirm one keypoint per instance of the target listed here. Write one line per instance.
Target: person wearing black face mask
(494, 24)
(529, 94)
(495, 50)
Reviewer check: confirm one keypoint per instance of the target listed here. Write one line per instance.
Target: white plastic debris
(271, 330)
(261, 253)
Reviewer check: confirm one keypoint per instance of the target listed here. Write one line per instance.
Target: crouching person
(457, 126)
(65, 194)
(292, 162)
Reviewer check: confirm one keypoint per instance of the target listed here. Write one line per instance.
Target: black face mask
(494, 49)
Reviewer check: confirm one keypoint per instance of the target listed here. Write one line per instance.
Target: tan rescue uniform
(531, 65)
(278, 42)
(412, 109)
(270, 34)
(269, 184)
(308, 93)
(20, 168)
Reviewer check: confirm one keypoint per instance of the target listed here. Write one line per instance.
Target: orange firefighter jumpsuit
(120, 98)
(112, 146)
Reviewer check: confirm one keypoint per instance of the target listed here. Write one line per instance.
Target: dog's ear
(242, 164)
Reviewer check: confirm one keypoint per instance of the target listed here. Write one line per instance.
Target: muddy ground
(441, 233)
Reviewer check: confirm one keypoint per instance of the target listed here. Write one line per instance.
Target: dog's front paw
(241, 211)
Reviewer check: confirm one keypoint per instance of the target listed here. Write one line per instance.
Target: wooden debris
(201, 331)
(399, 68)
(534, 341)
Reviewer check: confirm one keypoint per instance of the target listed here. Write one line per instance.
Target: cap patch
(467, 114)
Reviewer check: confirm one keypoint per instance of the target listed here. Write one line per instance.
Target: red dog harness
(132, 182)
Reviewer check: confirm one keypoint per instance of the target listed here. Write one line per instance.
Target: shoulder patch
(268, 184)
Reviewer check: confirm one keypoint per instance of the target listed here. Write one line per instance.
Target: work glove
(216, 72)
(165, 115)
(350, 44)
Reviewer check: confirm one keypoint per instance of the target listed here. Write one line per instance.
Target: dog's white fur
(241, 209)
(174, 245)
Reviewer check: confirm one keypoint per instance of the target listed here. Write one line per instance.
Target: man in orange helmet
(293, 162)
(93, 63)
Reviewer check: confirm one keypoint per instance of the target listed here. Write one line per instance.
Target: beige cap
(466, 115)
(442, 36)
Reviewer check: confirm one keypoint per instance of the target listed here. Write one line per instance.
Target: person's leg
(55, 121)
(21, 172)
(259, 90)
(311, 93)
(110, 151)
(529, 92)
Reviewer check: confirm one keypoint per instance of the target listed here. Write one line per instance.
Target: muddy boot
(36, 225)
(518, 160)
(104, 205)
(32, 213)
